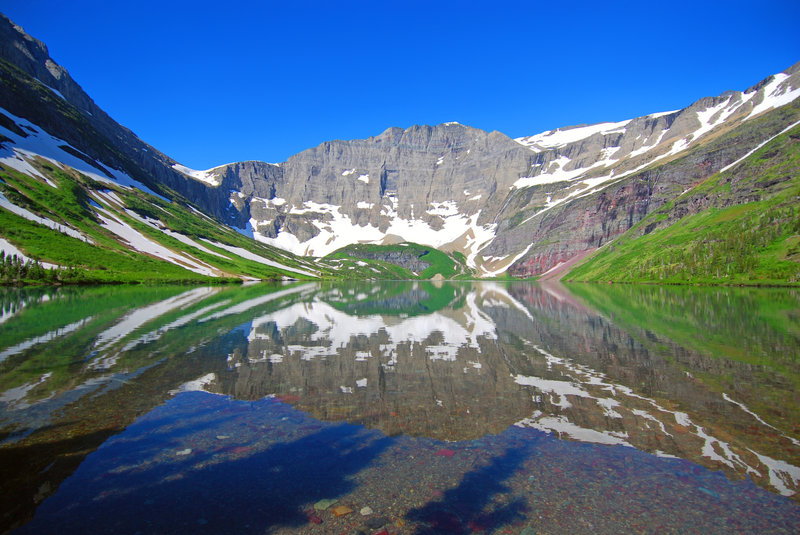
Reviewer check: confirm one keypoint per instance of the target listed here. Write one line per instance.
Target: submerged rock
(342, 510)
(324, 504)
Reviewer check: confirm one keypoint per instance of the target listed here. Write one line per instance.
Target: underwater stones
(324, 504)
(376, 522)
(342, 510)
(313, 518)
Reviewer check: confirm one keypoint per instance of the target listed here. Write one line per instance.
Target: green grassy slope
(78, 200)
(741, 226)
(395, 259)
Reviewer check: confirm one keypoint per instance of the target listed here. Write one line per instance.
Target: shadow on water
(30, 473)
(463, 509)
(201, 493)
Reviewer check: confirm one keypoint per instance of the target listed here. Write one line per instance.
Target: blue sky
(214, 82)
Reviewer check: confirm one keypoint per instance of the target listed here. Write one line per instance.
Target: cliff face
(440, 185)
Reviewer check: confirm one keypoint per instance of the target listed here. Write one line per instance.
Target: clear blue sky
(214, 82)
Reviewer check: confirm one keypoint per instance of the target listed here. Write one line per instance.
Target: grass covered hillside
(58, 225)
(406, 260)
(739, 226)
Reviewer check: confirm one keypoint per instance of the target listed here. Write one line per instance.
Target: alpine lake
(400, 408)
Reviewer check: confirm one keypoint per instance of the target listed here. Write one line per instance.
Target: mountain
(83, 195)
(522, 207)
(602, 203)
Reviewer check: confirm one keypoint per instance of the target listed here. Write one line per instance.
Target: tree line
(15, 269)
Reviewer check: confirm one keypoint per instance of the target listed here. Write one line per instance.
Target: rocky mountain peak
(15, 44)
(33, 57)
(426, 138)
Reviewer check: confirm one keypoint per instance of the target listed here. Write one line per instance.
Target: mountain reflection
(450, 361)
(441, 375)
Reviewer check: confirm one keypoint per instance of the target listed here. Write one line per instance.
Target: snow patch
(40, 143)
(206, 177)
(563, 136)
(244, 253)
(53, 89)
(776, 94)
(444, 209)
(141, 243)
(781, 474)
(10, 250)
(729, 166)
(198, 385)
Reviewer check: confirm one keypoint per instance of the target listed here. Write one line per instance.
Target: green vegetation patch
(414, 260)
(747, 235)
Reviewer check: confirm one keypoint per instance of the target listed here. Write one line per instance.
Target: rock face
(436, 185)
(400, 258)
(586, 223)
(523, 206)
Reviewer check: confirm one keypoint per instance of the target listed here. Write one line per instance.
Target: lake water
(400, 408)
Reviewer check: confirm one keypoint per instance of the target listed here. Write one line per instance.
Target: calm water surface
(400, 408)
